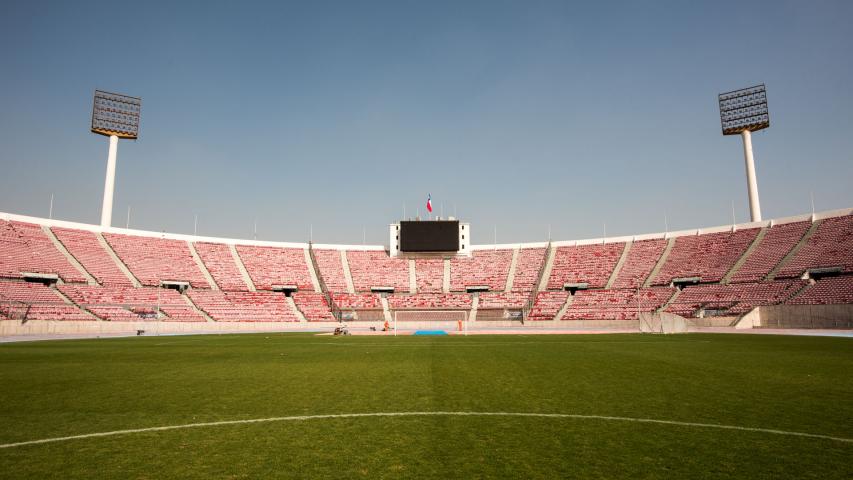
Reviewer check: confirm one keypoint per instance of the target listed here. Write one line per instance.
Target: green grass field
(792, 384)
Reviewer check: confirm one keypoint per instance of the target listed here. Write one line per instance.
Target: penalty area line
(429, 414)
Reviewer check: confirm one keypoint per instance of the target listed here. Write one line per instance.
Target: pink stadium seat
(709, 256)
(270, 266)
(484, 268)
(826, 291)
(84, 246)
(364, 301)
(243, 306)
(313, 306)
(152, 260)
(622, 304)
(734, 299)
(42, 302)
(527, 269)
(592, 264)
(642, 258)
(547, 305)
(332, 269)
(429, 301)
(374, 268)
(831, 245)
(778, 241)
(221, 265)
(24, 247)
(514, 299)
(430, 275)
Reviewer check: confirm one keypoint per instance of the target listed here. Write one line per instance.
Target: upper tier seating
(220, 263)
(313, 306)
(826, 291)
(513, 299)
(527, 268)
(152, 260)
(778, 241)
(547, 305)
(86, 248)
(592, 264)
(709, 256)
(732, 299)
(24, 247)
(484, 268)
(642, 258)
(332, 268)
(350, 301)
(620, 304)
(430, 301)
(374, 268)
(244, 306)
(270, 266)
(831, 245)
(43, 303)
(429, 273)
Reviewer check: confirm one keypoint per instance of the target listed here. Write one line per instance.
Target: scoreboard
(429, 236)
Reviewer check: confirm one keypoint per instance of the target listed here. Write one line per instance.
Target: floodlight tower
(115, 116)
(743, 112)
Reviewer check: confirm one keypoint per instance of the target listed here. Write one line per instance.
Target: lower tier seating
(243, 306)
(547, 305)
(427, 301)
(735, 299)
(313, 306)
(826, 291)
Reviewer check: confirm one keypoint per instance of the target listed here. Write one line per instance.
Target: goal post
(447, 320)
(662, 322)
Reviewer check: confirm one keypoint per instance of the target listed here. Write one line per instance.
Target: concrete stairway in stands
(242, 268)
(740, 261)
(794, 251)
(121, 266)
(73, 261)
(661, 261)
(201, 266)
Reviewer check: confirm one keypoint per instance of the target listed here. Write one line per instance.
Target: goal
(662, 322)
(446, 320)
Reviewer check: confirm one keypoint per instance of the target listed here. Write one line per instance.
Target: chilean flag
(429, 203)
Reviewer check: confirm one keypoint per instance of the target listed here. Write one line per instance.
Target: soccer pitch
(616, 406)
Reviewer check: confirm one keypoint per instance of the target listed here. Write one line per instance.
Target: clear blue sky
(521, 114)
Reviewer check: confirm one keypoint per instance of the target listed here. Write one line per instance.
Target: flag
(429, 203)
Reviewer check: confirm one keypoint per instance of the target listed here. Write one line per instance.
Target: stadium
(715, 351)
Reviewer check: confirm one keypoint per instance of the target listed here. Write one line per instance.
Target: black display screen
(429, 236)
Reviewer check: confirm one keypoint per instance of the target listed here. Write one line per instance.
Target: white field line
(341, 343)
(430, 414)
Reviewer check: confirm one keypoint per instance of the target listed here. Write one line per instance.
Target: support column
(751, 182)
(109, 184)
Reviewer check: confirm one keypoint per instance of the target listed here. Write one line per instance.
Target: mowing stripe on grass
(428, 414)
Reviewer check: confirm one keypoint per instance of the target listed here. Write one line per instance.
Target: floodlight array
(744, 109)
(114, 114)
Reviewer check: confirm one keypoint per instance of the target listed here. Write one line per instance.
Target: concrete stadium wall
(798, 316)
(52, 327)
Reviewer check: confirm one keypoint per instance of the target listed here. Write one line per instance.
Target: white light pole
(114, 116)
(109, 183)
(742, 112)
(751, 182)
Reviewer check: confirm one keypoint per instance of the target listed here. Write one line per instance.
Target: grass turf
(59, 388)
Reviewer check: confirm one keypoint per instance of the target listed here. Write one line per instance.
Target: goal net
(447, 320)
(662, 322)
